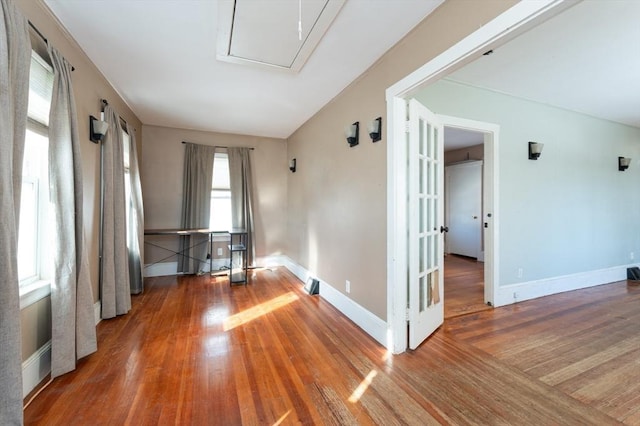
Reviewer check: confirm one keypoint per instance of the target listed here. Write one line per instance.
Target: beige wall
(89, 87)
(335, 203)
(337, 199)
(162, 171)
(36, 326)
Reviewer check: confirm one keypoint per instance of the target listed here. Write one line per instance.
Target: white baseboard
(533, 289)
(171, 268)
(270, 261)
(370, 323)
(36, 368)
(161, 269)
(38, 365)
(297, 270)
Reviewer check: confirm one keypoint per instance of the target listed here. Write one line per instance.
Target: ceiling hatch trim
(266, 34)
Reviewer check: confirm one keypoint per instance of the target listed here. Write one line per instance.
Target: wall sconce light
(375, 129)
(292, 165)
(623, 163)
(97, 129)
(535, 149)
(352, 133)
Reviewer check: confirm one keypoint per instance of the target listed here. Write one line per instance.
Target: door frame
(516, 20)
(490, 204)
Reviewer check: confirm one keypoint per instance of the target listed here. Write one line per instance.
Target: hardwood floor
(463, 286)
(195, 351)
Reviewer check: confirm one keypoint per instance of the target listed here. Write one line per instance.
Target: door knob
(444, 229)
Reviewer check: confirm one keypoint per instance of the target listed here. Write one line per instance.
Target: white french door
(425, 216)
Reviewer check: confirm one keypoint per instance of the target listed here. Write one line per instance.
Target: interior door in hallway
(464, 208)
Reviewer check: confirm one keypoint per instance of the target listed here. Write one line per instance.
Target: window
(126, 147)
(220, 216)
(33, 233)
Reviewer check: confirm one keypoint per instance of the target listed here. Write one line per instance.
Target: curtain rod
(225, 147)
(44, 38)
(105, 103)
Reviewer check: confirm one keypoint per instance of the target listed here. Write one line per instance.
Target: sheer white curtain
(135, 221)
(74, 331)
(241, 177)
(15, 57)
(196, 204)
(115, 288)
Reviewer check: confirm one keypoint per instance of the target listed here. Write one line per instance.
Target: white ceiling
(586, 59)
(160, 55)
(276, 33)
(455, 138)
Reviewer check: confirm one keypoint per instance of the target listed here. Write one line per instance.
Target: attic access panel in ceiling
(266, 32)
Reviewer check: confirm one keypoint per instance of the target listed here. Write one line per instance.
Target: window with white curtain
(126, 147)
(220, 215)
(35, 219)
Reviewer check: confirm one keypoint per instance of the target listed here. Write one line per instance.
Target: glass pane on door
(426, 313)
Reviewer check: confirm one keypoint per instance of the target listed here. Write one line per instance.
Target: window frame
(126, 167)
(35, 276)
(38, 286)
(220, 189)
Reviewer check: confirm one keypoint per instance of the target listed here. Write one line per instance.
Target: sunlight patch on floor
(215, 316)
(263, 308)
(362, 387)
(281, 419)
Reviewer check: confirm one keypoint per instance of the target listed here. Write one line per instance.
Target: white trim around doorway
(490, 193)
(518, 18)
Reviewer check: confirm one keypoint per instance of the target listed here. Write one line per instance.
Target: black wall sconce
(353, 133)
(97, 129)
(375, 129)
(535, 149)
(292, 165)
(623, 163)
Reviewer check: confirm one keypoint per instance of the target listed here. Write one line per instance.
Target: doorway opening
(425, 225)
(464, 244)
(514, 21)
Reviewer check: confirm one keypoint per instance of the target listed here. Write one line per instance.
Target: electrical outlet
(632, 256)
(519, 272)
(347, 286)
(219, 251)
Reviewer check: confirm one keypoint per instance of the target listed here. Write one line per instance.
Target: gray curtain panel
(196, 205)
(135, 221)
(74, 330)
(241, 180)
(15, 57)
(115, 290)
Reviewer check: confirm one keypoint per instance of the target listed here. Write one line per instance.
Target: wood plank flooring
(463, 286)
(194, 351)
(584, 343)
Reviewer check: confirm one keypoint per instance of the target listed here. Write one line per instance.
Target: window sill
(34, 292)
